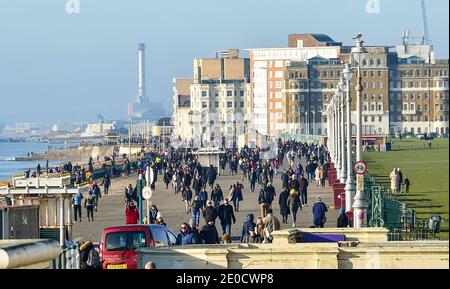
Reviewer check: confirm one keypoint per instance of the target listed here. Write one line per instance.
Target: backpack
(93, 259)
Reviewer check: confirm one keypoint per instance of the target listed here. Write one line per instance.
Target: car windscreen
(125, 240)
(159, 235)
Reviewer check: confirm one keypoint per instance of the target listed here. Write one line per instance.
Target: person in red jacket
(132, 213)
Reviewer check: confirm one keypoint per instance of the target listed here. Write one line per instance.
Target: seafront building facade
(405, 87)
(212, 106)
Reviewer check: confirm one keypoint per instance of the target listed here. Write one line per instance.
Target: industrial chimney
(141, 97)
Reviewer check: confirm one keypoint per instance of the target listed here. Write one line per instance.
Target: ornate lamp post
(360, 203)
(343, 172)
(338, 135)
(350, 183)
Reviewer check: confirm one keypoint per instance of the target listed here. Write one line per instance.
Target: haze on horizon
(56, 66)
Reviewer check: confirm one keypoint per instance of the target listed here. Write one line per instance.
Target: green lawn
(428, 171)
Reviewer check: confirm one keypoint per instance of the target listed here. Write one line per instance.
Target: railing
(69, 259)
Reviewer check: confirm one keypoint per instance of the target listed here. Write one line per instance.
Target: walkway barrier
(68, 259)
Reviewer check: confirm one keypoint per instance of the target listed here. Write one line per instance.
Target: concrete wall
(364, 249)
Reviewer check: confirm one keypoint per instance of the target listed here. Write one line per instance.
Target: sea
(10, 150)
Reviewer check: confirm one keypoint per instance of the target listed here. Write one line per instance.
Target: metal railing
(68, 259)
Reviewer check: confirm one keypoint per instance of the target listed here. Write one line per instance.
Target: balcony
(409, 112)
(373, 112)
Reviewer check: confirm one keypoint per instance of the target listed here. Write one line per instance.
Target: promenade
(111, 211)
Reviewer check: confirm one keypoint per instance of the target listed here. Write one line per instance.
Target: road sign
(360, 182)
(360, 168)
(147, 193)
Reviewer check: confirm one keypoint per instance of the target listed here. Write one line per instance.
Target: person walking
(393, 176)
(283, 202)
(271, 224)
(185, 236)
(399, 180)
(96, 194)
(153, 214)
(293, 202)
(131, 214)
(197, 206)
(217, 195)
(106, 182)
(226, 216)
(187, 198)
(285, 179)
(129, 194)
(303, 184)
(76, 202)
(342, 220)
(253, 179)
(89, 204)
(211, 176)
(209, 234)
(248, 229)
(203, 197)
(236, 195)
(210, 213)
(407, 184)
(266, 197)
(319, 213)
(195, 234)
(167, 178)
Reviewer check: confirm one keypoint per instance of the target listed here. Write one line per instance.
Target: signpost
(360, 169)
(147, 194)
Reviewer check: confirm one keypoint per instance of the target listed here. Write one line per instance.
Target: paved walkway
(111, 211)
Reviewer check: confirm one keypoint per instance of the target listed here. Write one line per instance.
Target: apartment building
(405, 87)
(215, 106)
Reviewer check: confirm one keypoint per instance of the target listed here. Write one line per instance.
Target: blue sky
(71, 67)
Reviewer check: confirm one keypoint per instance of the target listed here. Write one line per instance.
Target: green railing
(384, 208)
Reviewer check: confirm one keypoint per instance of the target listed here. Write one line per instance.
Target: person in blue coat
(248, 229)
(319, 210)
(185, 236)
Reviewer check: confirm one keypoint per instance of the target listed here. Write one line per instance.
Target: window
(412, 106)
(365, 73)
(365, 96)
(380, 107)
(127, 240)
(371, 62)
(380, 73)
(372, 85)
(391, 107)
(366, 119)
(405, 106)
(229, 93)
(372, 73)
(204, 94)
(241, 93)
(373, 119)
(380, 96)
(380, 119)
(426, 95)
(399, 107)
(372, 107)
(229, 104)
(405, 96)
(427, 108)
(378, 62)
(380, 84)
(204, 104)
(365, 107)
(217, 104)
(419, 107)
(372, 96)
(279, 74)
(278, 84)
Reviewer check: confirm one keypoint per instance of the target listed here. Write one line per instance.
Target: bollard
(77, 257)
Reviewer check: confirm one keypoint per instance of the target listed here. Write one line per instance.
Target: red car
(118, 244)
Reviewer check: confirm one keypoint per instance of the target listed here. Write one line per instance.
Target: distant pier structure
(143, 109)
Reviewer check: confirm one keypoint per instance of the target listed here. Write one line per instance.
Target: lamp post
(306, 123)
(350, 183)
(314, 122)
(360, 203)
(338, 134)
(343, 171)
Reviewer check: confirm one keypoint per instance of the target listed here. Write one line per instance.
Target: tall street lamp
(343, 171)
(314, 122)
(338, 136)
(360, 204)
(350, 183)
